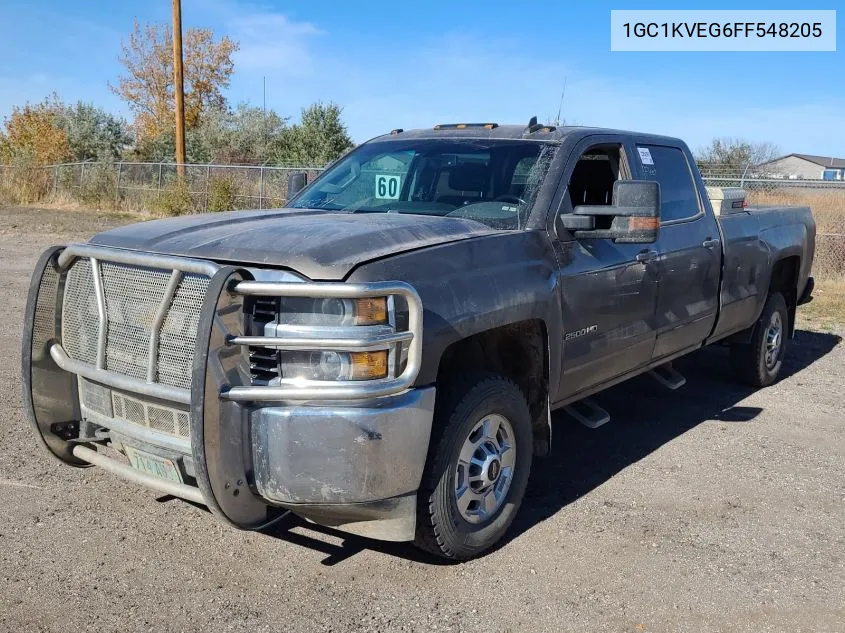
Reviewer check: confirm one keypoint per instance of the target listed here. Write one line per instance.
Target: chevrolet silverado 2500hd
(383, 354)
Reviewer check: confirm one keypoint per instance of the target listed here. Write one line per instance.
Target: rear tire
(758, 363)
(477, 469)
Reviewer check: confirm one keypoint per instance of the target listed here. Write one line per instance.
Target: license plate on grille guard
(153, 464)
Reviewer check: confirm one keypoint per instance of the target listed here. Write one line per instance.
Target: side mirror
(296, 183)
(633, 218)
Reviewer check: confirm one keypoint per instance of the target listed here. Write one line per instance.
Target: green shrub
(221, 193)
(174, 198)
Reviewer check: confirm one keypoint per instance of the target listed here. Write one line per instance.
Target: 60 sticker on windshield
(387, 186)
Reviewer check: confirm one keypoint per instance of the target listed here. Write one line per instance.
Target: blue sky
(399, 64)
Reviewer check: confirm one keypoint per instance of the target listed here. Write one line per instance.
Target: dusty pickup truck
(383, 354)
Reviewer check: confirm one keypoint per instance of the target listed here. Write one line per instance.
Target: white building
(803, 167)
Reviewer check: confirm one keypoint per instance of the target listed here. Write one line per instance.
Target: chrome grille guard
(97, 368)
(293, 391)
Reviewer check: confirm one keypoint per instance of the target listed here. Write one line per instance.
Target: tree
(32, 133)
(162, 148)
(734, 155)
(148, 84)
(319, 137)
(245, 135)
(92, 133)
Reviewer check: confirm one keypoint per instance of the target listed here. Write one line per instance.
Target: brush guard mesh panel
(133, 295)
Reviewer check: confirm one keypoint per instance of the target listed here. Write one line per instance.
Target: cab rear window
(669, 167)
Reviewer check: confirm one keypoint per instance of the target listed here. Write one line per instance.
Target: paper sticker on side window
(645, 156)
(387, 186)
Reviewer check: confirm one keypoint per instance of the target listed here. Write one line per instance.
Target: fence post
(117, 189)
(56, 181)
(261, 189)
(82, 176)
(207, 181)
(159, 176)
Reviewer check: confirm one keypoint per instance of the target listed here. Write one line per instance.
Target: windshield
(492, 181)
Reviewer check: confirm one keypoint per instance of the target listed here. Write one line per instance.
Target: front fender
(476, 285)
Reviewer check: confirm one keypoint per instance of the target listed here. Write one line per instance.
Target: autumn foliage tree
(147, 87)
(32, 133)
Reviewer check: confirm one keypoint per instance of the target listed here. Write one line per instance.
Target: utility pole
(179, 88)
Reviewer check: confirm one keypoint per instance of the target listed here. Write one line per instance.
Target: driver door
(608, 290)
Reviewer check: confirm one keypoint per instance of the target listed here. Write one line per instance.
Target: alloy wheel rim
(774, 340)
(485, 468)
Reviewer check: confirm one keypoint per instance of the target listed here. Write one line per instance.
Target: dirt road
(712, 508)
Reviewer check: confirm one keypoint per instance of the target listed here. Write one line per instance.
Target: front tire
(477, 471)
(758, 363)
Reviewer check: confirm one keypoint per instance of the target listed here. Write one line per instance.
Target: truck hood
(317, 244)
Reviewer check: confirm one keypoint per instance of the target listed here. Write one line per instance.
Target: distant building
(803, 167)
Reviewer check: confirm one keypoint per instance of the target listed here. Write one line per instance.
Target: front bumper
(354, 464)
(341, 454)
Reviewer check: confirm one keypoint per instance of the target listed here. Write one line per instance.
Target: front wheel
(758, 363)
(478, 470)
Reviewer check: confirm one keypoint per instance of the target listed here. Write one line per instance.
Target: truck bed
(752, 240)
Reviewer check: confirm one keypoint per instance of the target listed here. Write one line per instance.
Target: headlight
(325, 318)
(331, 365)
(333, 312)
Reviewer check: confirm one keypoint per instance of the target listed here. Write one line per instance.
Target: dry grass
(827, 309)
(828, 205)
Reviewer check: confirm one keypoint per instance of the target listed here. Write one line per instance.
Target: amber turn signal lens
(371, 311)
(643, 223)
(368, 365)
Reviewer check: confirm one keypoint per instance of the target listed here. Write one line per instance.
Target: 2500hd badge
(579, 333)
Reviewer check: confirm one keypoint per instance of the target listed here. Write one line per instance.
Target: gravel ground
(713, 508)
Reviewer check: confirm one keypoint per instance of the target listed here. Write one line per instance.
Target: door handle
(646, 256)
(710, 243)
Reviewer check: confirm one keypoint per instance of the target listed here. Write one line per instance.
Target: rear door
(608, 290)
(690, 254)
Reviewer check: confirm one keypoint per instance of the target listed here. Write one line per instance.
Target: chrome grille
(263, 361)
(133, 296)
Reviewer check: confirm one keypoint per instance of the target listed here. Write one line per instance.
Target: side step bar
(588, 413)
(668, 377)
(183, 491)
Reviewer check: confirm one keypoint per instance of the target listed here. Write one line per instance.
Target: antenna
(560, 106)
(264, 112)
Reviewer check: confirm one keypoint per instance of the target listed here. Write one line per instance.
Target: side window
(669, 167)
(591, 182)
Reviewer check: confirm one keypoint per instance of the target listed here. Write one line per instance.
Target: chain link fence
(825, 197)
(156, 187)
(150, 186)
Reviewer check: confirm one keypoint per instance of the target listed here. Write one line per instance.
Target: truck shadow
(644, 417)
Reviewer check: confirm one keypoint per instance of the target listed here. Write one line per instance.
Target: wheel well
(519, 351)
(785, 281)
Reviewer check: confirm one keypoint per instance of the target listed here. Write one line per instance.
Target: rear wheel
(759, 362)
(477, 471)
